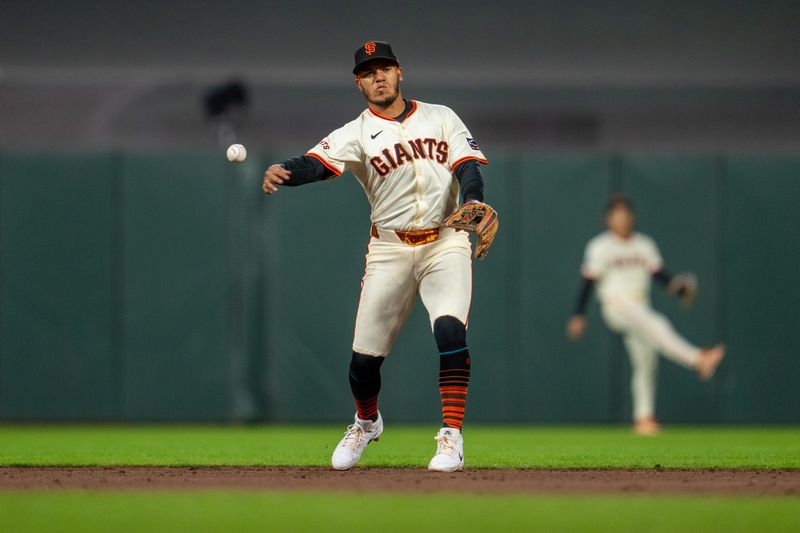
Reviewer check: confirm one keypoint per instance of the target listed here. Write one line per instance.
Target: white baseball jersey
(406, 168)
(621, 267)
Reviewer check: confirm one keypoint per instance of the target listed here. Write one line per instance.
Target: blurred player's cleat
(356, 438)
(646, 427)
(449, 452)
(709, 361)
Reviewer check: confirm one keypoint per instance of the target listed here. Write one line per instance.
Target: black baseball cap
(372, 50)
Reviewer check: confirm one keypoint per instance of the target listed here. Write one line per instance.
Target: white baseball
(236, 153)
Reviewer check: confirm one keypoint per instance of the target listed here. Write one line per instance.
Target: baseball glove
(685, 286)
(478, 218)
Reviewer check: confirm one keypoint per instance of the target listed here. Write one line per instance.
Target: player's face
(379, 82)
(621, 221)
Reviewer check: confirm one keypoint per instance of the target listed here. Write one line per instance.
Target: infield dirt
(650, 481)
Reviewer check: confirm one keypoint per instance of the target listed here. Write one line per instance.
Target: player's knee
(450, 333)
(365, 367)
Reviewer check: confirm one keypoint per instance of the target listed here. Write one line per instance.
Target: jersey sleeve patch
(462, 144)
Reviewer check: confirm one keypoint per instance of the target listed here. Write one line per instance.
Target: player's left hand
(685, 286)
(478, 218)
(576, 327)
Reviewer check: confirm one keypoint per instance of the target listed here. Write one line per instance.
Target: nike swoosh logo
(461, 457)
(373, 136)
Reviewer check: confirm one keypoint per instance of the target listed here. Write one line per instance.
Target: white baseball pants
(440, 272)
(646, 332)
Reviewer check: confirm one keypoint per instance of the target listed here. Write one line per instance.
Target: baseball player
(621, 262)
(412, 159)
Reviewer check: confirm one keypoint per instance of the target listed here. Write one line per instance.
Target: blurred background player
(621, 262)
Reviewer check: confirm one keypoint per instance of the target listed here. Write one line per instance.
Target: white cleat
(450, 451)
(356, 438)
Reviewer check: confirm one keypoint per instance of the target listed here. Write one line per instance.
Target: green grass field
(497, 447)
(260, 511)
(401, 446)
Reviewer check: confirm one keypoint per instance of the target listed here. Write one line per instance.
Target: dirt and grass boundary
(480, 480)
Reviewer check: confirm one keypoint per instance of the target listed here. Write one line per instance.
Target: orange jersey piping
(336, 171)
(466, 158)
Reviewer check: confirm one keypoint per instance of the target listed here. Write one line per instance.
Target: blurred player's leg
(624, 315)
(656, 328)
(644, 371)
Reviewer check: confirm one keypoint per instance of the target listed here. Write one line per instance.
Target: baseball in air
(236, 153)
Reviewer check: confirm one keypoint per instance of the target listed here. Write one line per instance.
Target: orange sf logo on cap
(369, 48)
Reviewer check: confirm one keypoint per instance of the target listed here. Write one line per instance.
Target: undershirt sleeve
(305, 169)
(470, 179)
(662, 276)
(583, 296)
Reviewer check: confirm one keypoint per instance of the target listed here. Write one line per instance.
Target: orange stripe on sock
(453, 389)
(367, 409)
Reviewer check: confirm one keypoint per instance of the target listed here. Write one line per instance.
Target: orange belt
(413, 238)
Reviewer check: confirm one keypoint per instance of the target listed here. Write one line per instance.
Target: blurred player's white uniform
(623, 269)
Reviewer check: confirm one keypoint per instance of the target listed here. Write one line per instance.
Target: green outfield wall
(168, 287)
